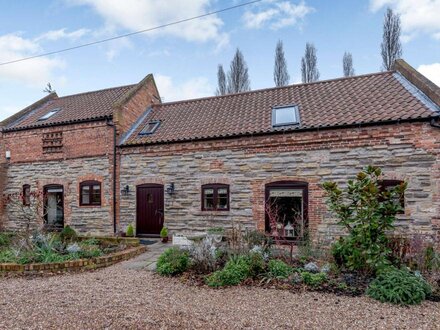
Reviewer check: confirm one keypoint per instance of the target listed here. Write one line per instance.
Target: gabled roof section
(72, 108)
(373, 98)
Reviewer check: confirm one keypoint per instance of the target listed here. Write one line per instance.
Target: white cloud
(136, 15)
(431, 71)
(276, 14)
(190, 89)
(418, 16)
(55, 35)
(34, 72)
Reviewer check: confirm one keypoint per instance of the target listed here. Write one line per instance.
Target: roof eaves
(53, 124)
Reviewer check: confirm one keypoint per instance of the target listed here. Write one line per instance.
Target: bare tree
(347, 65)
(238, 76)
(221, 78)
(309, 68)
(391, 48)
(280, 73)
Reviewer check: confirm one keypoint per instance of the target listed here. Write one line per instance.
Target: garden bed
(42, 252)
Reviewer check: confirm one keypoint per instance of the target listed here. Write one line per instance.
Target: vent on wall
(52, 142)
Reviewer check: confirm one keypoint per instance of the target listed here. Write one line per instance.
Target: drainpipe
(109, 123)
(434, 123)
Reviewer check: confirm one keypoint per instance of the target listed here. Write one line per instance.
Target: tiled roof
(73, 108)
(364, 99)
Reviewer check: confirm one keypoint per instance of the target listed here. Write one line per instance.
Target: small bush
(398, 286)
(172, 262)
(313, 280)
(7, 256)
(235, 271)
(130, 231)
(5, 239)
(256, 263)
(68, 234)
(279, 269)
(164, 232)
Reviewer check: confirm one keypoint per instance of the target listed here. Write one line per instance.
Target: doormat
(147, 242)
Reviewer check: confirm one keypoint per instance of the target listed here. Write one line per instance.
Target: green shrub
(367, 212)
(164, 232)
(172, 262)
(68, 234)
(279, 269)
(5, 239)
(398, 286)
(235, 271)
(90, 251)
(313, 280)
(130, 231)
(7, 256)
(90, 241)
(256, 263)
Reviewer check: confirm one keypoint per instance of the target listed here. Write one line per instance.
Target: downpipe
(109, 123)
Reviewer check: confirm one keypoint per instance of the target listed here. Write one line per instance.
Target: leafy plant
(313, 280)
(68, 234)
(5, 239)
(172, 262)
(235, 271)
(256, 262)
(216, 231)
(130, 231)
(164, 232)
(367, 212)
(279, 269)
(399, 286)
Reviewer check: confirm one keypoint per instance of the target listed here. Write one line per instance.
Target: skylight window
(150, 127)
(286, 115)
(49, 114)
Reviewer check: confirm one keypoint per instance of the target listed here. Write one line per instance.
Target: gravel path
(121, 298)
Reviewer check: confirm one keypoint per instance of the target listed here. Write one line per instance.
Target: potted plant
(164, 234)
(130, 231)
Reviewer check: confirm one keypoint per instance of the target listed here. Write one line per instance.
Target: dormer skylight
(49, 114)
(285, 115)
(150, 127)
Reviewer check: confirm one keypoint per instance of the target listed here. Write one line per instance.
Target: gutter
(110, 124)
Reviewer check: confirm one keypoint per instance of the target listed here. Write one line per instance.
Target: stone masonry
(406, 152)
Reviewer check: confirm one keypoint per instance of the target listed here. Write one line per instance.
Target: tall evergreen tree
(221, 78)
(309, 65)
(238, 75)
(347, 65)
(280, 74)
(391, 48)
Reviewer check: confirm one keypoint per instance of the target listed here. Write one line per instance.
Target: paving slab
(147, 260)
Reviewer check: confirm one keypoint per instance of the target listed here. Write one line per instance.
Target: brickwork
(407, 151)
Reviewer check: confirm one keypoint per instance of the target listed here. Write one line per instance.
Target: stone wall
(407, 151)
(69, 173)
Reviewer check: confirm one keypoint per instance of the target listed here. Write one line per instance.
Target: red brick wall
(79, 140)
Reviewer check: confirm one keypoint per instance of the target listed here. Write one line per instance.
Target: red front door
(150, 209)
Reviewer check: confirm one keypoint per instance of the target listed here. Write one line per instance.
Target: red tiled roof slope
(74, 108)
(355, 100)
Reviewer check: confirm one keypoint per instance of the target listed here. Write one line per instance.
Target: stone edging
(72, 266)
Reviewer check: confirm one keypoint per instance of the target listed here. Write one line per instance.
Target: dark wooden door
(150, 209)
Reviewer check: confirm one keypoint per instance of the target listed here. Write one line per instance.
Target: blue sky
(184, 58)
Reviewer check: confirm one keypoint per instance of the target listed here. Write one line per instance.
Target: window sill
(228, 212)
(90, 206)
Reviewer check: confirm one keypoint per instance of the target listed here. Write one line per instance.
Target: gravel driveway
(117, 297)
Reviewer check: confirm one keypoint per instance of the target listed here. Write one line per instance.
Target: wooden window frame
(215, 187)
(26, 195)
(90, 184)
(384, 184)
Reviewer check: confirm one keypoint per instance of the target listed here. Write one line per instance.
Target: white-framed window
(285, 115)
(49, 114)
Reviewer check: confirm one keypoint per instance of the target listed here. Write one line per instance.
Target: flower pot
(165, 239)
